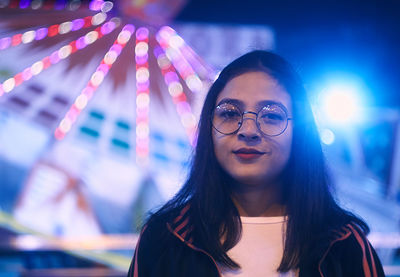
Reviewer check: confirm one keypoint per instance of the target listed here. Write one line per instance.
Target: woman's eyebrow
(231, 101)
(271, 102)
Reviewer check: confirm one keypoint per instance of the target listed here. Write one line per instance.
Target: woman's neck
(258, 201)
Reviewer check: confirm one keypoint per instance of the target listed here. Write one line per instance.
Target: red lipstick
(248, 153)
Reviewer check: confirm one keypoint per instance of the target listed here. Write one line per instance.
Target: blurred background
(99, 102)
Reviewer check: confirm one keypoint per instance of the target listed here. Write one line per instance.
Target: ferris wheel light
(5, 43)
(91, 37)
(27, 74)
(37, 67)
(41, 33)
(107, 6)
(28, 37)
(142, 33)
(64, 51)
(8, 85)
(65, 27)
(141, 48)
(16, 40)
(99, 18)
(142, 100)
(110, 57)
(175, 89)
(77, 24)
(142, 75)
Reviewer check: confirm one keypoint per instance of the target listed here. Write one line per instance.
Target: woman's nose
(248, 129)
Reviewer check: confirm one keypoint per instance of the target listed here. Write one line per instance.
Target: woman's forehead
(253, 88)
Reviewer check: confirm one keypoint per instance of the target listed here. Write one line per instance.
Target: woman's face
(250, 156)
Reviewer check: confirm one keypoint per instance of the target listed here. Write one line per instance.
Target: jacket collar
(181, 227)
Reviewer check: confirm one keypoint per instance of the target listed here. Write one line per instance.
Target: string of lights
(142, 95)
(51, 31)
(72, 5)
(171, 42)
(175, 89)
(177, 42)
(58, 55)
(96, 79)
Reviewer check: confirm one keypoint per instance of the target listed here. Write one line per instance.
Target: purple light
(77, 24)
(80, 43)
(107, 28)
(143, 86)
(158, 51)
(142, 33)
(103, 68)
(23, 4)
(95, 5)
(5, 43)
(141, 59)
(41, 33)
(117, 48)
(171, 77)
(129, 27)
(54, 57)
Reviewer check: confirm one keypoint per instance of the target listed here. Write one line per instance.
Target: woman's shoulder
(158, 222)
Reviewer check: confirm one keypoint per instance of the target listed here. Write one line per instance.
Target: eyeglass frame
(256, 120)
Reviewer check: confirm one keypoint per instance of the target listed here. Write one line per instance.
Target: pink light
(41, 33)
(88, 91)
(1, 90)
(16, 40)
(27, 74)
(59, 134)
(77, 24)
(5, 43)
(18, 79)
(46, 62)
(54, 58)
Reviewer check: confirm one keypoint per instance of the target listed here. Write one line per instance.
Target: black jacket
(167, 249)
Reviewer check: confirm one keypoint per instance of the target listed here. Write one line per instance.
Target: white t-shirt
(260, 249)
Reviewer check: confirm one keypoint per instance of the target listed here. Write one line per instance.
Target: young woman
(257, 201)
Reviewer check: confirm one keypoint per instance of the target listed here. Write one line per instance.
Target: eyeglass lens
(271, 119)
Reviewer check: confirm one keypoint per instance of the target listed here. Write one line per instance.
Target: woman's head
(257, 80)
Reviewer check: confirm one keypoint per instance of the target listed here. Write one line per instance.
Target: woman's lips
(248, 153)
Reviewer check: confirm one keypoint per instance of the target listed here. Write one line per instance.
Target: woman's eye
(272, 117)
(230, 114)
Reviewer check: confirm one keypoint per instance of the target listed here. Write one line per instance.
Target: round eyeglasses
(271, 120)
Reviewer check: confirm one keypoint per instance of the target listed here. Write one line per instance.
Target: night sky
(360, 38)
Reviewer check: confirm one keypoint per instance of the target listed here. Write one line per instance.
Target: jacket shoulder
(350, 254)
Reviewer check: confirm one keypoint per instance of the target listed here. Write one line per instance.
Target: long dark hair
(312, 211)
